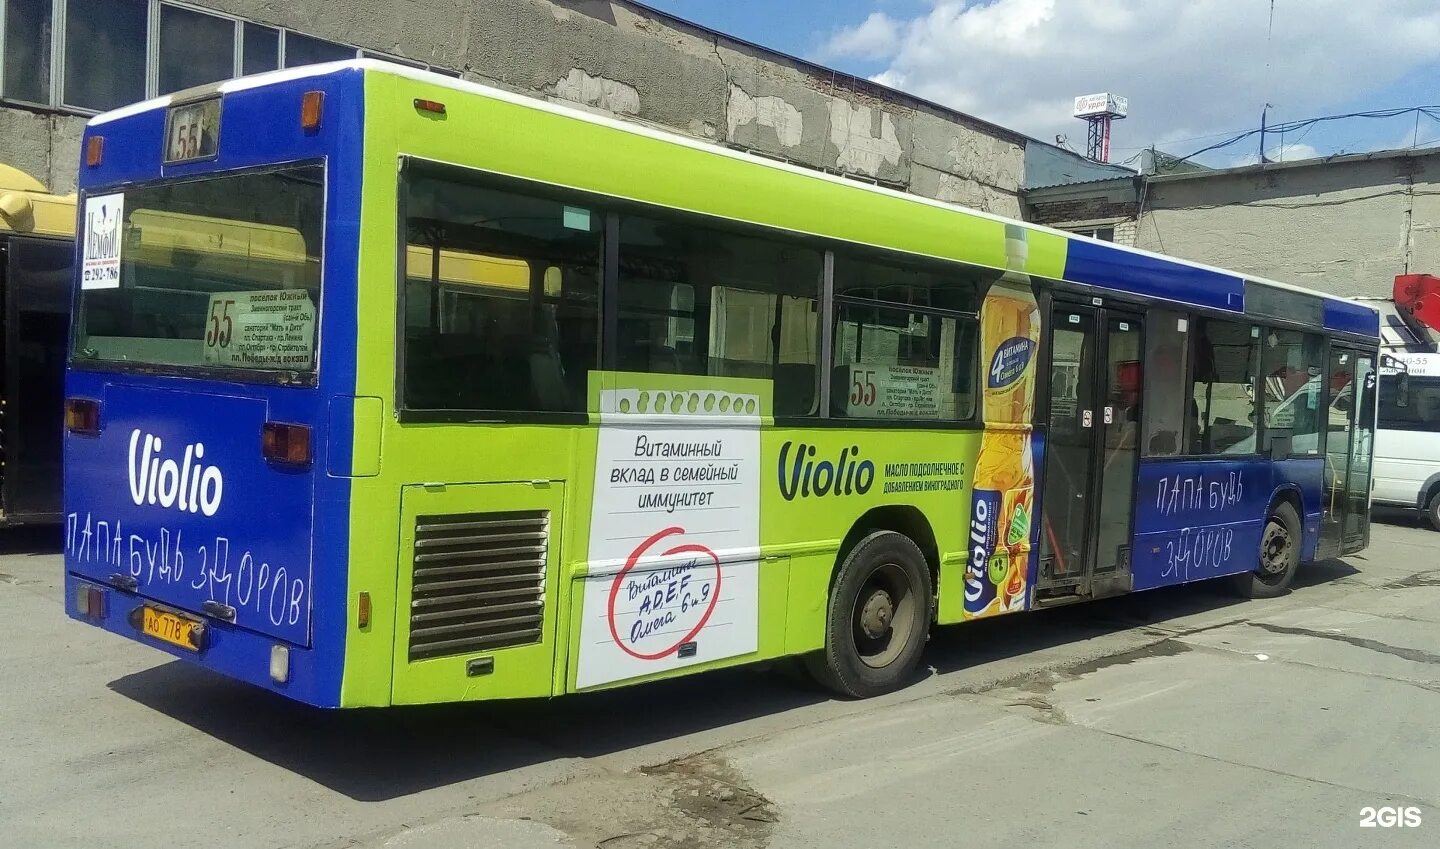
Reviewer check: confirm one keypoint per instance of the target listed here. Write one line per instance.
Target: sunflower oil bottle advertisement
(1002, 508)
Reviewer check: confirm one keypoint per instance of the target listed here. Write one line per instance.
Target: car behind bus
(1407, 442)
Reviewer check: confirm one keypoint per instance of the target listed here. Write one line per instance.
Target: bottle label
(1011, 360)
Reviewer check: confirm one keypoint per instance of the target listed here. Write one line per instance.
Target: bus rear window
(221, 273)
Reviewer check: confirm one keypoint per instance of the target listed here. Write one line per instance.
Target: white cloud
(1190, 67)
(874, 38)
(1293, 152)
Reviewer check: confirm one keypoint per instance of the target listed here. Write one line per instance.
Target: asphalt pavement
(1181, 717)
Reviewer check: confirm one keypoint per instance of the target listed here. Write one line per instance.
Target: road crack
(1414, 655)
(1419, 579)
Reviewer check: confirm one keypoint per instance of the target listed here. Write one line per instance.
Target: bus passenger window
(1290, 377)
(501, 299)
(1223, 393)
(1167, 402)
(700, 301)
(906, 339)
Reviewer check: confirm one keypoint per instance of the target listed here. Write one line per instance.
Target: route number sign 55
(192, 131)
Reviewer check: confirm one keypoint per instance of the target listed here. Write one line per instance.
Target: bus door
(1349, 441)
(1091, 452)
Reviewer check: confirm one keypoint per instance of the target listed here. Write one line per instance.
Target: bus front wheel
(1432, 511)
(1279, 556)
(878, 618)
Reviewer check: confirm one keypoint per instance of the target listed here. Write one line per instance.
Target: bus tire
(1432, 511)
(1280, 541)
(878, 618)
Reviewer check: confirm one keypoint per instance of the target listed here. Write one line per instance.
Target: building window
(1223, 391)
(107, 57)
(502, 296)
(27, 50)
(104, 53)
(259, 50)
(906, 339)
(1104, 234)
(195, 49)
(307, 50)
(1167, 401)
(698, 300)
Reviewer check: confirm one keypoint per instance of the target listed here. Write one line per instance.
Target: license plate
(192, 131)
(167, 627)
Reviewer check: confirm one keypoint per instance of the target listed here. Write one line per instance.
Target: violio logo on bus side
(1010, 361)
(848, 474)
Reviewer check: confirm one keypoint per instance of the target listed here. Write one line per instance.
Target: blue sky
(797, 27)
(1196, 71)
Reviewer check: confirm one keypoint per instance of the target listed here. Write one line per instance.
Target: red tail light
(82, 416)
(286, 444)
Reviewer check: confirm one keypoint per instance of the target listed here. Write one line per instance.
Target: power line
(1432, 112)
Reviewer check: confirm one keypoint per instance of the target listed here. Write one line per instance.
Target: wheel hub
(876, 615)
(1275, 546)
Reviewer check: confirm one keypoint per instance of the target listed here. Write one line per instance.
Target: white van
(1407, 442)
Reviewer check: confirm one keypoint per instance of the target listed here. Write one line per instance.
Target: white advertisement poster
(886, 391)
(270, 329)
(104, 224)
(674, 533)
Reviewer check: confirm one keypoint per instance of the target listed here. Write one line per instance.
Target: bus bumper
(227, 649)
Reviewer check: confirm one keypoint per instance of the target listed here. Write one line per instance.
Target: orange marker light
(94, 150)
(312, 105)
(363, 619)
(434, 107)
(287, 444)
(82, 416)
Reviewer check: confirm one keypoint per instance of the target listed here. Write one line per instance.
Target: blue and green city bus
(390, 388)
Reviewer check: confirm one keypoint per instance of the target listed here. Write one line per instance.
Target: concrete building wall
(45, 145)
(619, 58)
(1345, 226)
(1090, 207)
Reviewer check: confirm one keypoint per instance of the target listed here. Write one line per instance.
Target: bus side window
(1223, 389)
(1169, 411)
(1290, 383)
(906, 343)
(501, 299)
(695, 299)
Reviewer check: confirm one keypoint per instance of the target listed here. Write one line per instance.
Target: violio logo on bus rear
(1010, 361)
(187, 485)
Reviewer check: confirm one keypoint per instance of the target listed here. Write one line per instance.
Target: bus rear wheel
(878, 618)
(1279, 556)
(1432, 511)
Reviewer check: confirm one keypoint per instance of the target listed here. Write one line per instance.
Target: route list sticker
(271, 329)
(674, 533)
(892, 391)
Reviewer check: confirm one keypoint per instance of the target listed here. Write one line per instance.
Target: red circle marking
(630, 565)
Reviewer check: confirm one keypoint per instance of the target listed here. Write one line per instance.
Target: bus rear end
(209, 390)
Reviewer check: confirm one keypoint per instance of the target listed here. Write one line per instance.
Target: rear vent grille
(478, 582)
